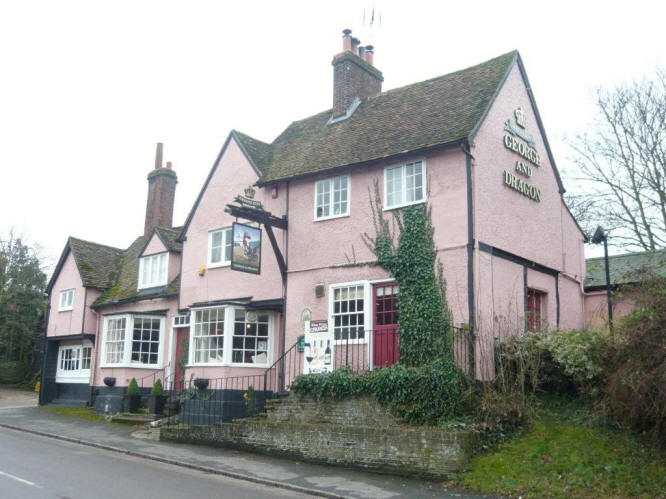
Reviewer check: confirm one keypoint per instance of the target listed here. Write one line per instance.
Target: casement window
(231, 336)
(332, 197)
(132, 341)
(219, 247)
(536, 303)
(66, 300)
(74, 363)
(153, 270)
(404, 184)
(348, 312)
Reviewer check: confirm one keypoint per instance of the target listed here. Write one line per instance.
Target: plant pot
(201, 383)
(156, 404)
(134, 403)
(109, 381)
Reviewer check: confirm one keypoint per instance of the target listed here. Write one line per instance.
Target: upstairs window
(404, 184)
(332, 197)
(66, 300)
(219, 247)
(153, 270)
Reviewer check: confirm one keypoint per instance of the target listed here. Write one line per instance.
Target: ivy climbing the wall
(406, 249)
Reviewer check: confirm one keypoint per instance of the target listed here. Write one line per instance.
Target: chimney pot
(369, 54)
(361, 50)
(158, 156)
(346, 40)
(168, 165)
(354, 45)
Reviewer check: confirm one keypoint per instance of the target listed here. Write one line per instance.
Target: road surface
(36, 467)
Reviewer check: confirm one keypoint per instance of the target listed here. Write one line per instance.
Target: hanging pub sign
(319, 347)
(246, 250)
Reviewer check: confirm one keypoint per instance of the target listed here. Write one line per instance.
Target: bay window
(153, 270)
(332, 197)
(231, 336)
(74, 363)
(404, 184)
(132, 341)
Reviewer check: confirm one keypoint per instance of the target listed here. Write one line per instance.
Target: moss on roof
(94, 262)
(170, 238)
(623, 269)
(257, 151)
(422, 115)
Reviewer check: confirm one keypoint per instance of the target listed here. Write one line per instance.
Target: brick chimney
(161, 194)
(354, 76)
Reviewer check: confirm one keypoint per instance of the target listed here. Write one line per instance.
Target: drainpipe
(283, 332)
(470, 256)
(46, 350)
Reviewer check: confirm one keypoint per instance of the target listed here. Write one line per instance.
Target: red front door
(182, 339)
(385, 345)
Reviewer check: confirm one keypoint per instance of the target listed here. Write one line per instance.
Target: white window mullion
(229, 313)
(129, 335)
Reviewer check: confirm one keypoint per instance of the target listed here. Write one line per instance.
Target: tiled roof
(125, 278)
(94, 261)
(170, 238)
(623, 268)
(257, 151)
(416, 117)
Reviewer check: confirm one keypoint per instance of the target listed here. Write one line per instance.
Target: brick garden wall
(325, 433)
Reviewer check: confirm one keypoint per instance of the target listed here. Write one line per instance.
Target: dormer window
(66, 300)
(153, 270)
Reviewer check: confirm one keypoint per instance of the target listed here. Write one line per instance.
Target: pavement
(19, 411)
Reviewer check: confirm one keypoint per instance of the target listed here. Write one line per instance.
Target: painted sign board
(246, 250)
(319, 346)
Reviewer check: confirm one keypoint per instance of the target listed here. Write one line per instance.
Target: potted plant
(134, 395)
(109, 381)
(157, 398)
(201, 383)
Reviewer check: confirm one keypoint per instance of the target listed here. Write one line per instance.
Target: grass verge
(87, 413)
(568, 453)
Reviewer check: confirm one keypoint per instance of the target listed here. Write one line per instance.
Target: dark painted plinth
(213, 406)
(109, 399)
(72, 394)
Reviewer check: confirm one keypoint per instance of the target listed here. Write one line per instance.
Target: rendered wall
(67, 322)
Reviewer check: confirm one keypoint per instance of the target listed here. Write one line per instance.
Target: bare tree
(621, 160)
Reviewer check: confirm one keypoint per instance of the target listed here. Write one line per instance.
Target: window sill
(350, 342)
(154, 367)
(332, 217)
(226, 364)
(73, 378)
(218, 265)
(403, 205)
(69, 309)
(151, 286)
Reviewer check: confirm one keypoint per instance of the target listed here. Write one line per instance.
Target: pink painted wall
(596, 309)
(155, 245)
(320, 251)
(232, 175)
(67, 322)
(124, 374)
(504, 218)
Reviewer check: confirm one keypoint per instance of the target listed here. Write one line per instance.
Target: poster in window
(246, 252)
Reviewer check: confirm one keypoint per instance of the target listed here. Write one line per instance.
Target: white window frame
(64, 294)
(161, 279)
(227, 238)
(79, 375)
(227, 346)
(331, 193)
(403, 174)
(367, 311)
(128, 339)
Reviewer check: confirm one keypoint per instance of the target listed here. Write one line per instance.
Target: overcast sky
(87, 88)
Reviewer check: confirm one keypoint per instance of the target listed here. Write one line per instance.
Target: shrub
(635, 389)
(419, 395)
(13, 372)
(157, 390)
(133, 388)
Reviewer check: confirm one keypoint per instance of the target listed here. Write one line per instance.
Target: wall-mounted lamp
(202, 270)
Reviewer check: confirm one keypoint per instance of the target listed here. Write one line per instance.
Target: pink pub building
(175, 306)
